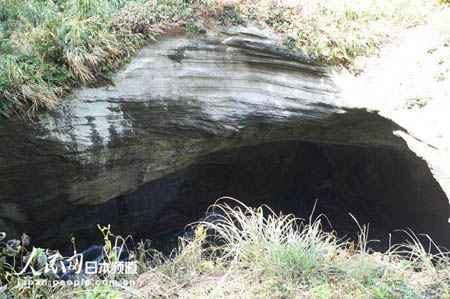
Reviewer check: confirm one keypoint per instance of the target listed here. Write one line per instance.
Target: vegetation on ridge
(48, 47)
(242, 252)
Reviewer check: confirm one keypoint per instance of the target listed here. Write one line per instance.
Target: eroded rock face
(121, 154)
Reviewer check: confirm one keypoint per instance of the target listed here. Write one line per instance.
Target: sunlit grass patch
(247, 252)
(49, 47)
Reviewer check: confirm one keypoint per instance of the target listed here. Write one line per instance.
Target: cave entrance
(389, 189)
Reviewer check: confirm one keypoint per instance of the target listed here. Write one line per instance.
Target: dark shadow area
(388, 189)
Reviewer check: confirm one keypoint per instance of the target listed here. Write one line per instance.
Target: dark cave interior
(385, 188)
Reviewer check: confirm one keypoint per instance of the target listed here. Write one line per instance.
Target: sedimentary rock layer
(176, 102)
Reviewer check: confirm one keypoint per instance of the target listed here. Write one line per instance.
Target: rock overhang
(176, 102)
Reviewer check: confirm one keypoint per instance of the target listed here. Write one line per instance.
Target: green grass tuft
(49, 47)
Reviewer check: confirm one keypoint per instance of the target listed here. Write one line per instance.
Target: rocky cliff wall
(120, 154)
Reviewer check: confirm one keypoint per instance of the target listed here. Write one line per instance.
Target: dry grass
(243, 252)
(256, 254)
(339, 32)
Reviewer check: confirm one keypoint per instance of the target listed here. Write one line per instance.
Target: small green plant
(108, 248)
(231, 15)
(103, 292)
(191, 30)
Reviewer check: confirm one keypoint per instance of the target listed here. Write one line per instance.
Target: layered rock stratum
(122, 153)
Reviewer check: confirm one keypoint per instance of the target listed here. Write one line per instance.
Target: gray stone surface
(176, 102)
